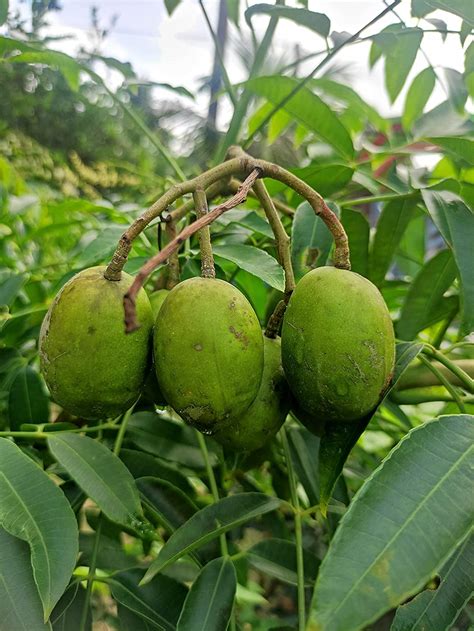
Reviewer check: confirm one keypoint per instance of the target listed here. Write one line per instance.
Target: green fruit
(208, 349)
(157, 298)
(92, 368)
(338, 346)
(262, 420)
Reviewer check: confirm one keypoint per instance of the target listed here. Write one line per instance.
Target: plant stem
(173, 260)
(121, 433)
(419, 377)
(449, 387)
(415, 398)
(208, 269)
(464, 378)
(318, 67)
(42, 435)
(90, 575)
(298, 532)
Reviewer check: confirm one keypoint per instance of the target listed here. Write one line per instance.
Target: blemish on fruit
(239, 335)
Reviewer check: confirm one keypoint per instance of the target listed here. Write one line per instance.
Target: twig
(131, 323)
(207, 260)
(173, 260)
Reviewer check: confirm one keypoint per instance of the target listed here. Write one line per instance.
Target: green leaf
(100, 248)
(455, 221)
(358, 232)
(400, 54)
(391, 225)
(208, 605)
(20, 605)
(437, 609)
(304, 450)
(34, 509)
(338, 439)
(463, 8)
(3, 11)
(101, 475)
(171, 5)
(247, 219)
(110, 554)
(169, 504)
(255, 261)
(420, 8)
(400, 528)
(277, 558)
(417, 96)
(458, 147)
(158, 604)
(457, 92)
(67, 614)
(68, 66)
(311, 240)
(306, 108)
(209, 523)
(10, 287)
(444, 117)
(27, 401)
(425, 293)
(317, 22)
(464, 33)
(168, 439)
(143, 465)
(326, 179)
(233, 11)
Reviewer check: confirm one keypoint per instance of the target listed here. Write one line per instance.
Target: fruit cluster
(212, 363)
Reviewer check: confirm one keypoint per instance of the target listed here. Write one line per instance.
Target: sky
(178, 49)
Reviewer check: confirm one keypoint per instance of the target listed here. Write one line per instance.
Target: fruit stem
(42, 435)
(298, 531)
(207, 260)
(173, 260)
(449, 387)
(131, 323)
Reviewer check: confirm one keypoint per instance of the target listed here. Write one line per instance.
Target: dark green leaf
(3, 11)
(391, 225)
(317, 22)
(458, 147)
(417, 97)
(27, 401)
(10, 287)
(358, 232)
(425, 293)
(171, 5)
(338, 439)
(420, 8)
(209, 523)
(255, 261)
(326, 179)
(34, 509)
(208, 605)
(100, 474)
(437, 609)
(455, 221)
(158, 604)
(68, 66)
(400, 528)
(304, 450)
(306, 108)
(143, 465)
(67, 614)
(110, 554)
(463, 8)
(170, 505)
(277, 558)
(20, 605)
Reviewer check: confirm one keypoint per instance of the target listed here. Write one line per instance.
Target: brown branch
(207, 260)
(131, 323)
(279, 205)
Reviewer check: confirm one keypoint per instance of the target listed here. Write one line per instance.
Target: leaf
(317, 22)
(100, 248)
(233, 11)
(439, 608)
(441, 26)
(253, 260)
(338, 439)
(326, 179)
(209, 523)
(167, 439)
(304, 450)
(171, 5)
(27, 401)
(455, 221)
(35, 510)
(458, 147)
(457, 92)
(391, 225)
(250, 220)
(420, 8)
(400, 54)
(10, 287)
(277, 558)
(426, 291)
(20, 605)
(110, 554)
(3, 11)
(444, 117)
(417, 96)
(68, 66)
(143, 465)
(101, 475)
(172, 507)
(358, 232)
(208, 605)
(158, 604)
(400, 528)
(462, 8)
(311, 240)
(306, 108)
(67, 614)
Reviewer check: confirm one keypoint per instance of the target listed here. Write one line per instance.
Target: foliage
(161, 516)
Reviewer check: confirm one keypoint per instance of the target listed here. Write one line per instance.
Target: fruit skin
(338, 345)
(261, 422)
(157, 298)
(92, 368)
(208, 349)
